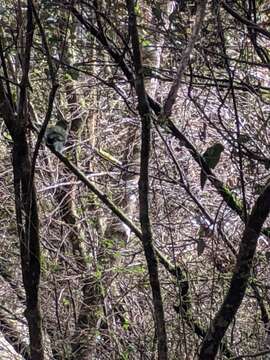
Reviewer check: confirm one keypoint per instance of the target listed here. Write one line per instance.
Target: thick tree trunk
(239, 281)
(28, 231)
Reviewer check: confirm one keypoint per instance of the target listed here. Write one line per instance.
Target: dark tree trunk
(28, 231)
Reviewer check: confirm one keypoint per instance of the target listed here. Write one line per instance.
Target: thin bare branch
(172, 95)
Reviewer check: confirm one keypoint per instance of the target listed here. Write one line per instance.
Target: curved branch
(240, 277)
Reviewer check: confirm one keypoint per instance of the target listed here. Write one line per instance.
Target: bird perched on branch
(56, 135)
(211, 156)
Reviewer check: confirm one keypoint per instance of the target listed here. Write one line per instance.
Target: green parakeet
(56, 136)
(211, 157)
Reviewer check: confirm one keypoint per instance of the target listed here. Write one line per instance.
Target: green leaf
(137, 10)
(7, 136)
(145, 42)
(126, 324)
(65, 301)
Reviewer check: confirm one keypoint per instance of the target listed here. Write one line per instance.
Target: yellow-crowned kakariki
(211, 156)
(56, 135)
